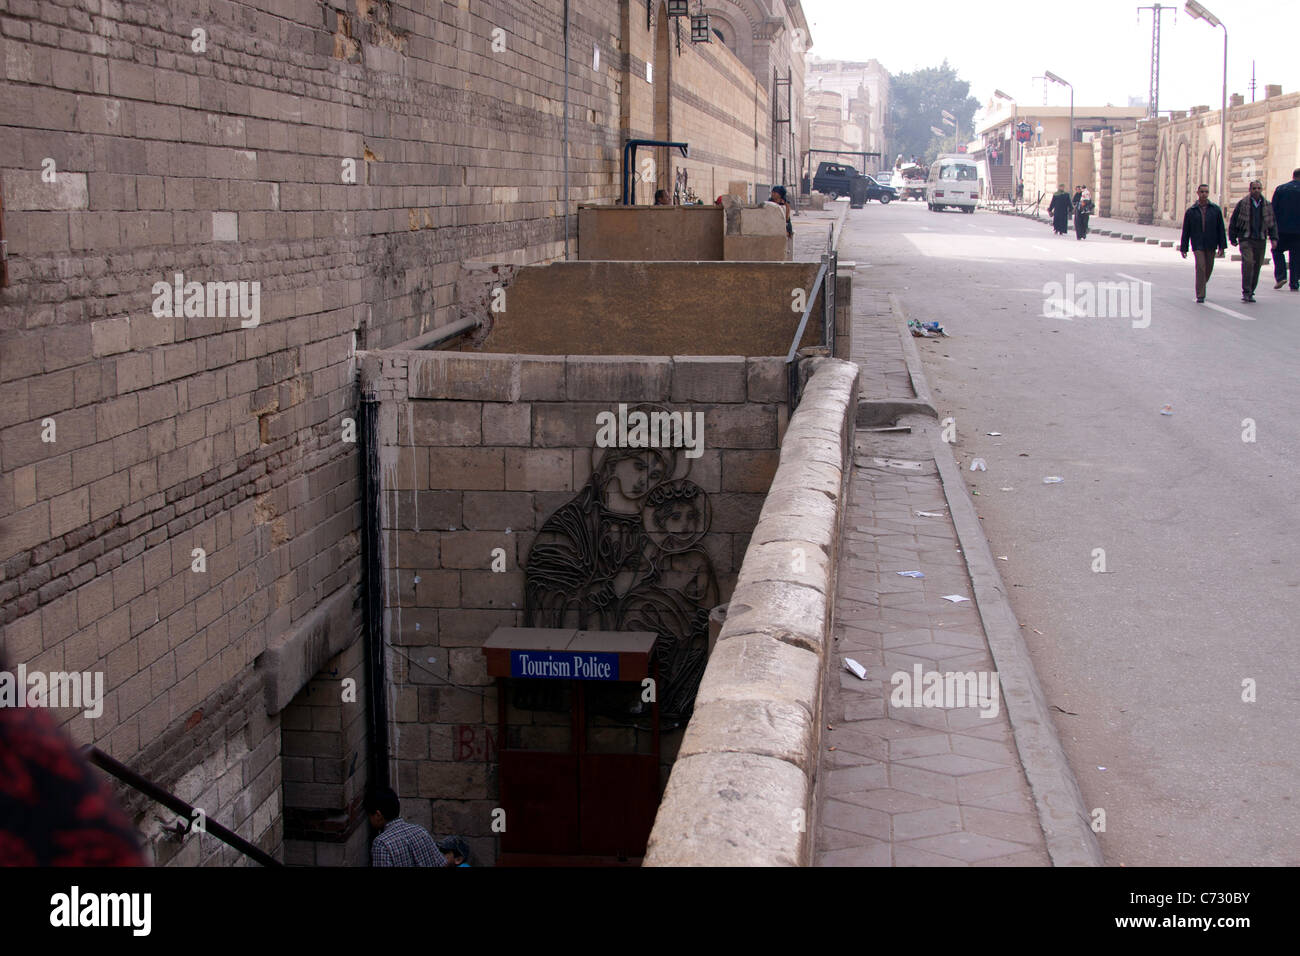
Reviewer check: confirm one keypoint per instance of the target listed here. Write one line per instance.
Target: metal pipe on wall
(566, 130)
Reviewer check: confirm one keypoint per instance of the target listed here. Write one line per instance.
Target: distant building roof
(1081, 114)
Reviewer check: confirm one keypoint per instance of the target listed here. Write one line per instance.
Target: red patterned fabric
(55, 810)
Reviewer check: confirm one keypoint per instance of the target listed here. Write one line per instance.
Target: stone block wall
(346, 157)
(478, 450)
(1153, 171)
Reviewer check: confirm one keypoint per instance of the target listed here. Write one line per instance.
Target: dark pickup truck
(834, 180)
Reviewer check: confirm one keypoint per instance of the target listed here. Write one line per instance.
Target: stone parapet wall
(741, 791)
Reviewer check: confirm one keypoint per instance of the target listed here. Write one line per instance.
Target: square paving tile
(856, 819)
(955, 765)
(879, 853)
(906, 854)
(923, 823)
(970, 847)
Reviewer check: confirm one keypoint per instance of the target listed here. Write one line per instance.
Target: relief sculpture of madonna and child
(627, 554)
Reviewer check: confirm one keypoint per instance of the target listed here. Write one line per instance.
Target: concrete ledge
(741, 791)
(294, 659)
(732, 809)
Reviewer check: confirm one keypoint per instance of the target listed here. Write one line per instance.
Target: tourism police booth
(578, 743)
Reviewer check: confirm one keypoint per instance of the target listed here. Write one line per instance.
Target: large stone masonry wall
(228, 155)
(478, 451)
(1153, 171)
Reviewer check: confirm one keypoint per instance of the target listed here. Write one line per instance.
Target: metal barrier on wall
(824, 283)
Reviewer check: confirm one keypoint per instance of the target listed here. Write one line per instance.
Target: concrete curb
(1061, 810)
(915, 370)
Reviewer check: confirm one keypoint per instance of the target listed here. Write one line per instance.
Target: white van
(954, 181)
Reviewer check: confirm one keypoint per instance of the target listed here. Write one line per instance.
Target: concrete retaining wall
(741, 792)
(652, 308)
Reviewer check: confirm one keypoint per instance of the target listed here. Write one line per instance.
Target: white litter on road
(1053, 480)
(955, 598)
(855, 668)
(910, 574)
(929, 514)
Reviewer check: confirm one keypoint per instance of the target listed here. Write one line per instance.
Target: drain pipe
(373, 604)
(566, 130)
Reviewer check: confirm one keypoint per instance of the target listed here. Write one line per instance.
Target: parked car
(881, 191)
(832, 179)
(884, 177)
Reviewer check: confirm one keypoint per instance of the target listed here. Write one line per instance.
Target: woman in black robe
(1082, 210)
(1059, 210)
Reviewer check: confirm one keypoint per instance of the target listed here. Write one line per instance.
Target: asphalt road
(1148, 662)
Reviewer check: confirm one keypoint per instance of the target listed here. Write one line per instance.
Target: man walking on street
(1203, 230)
(1252, 223)
(1286, 209)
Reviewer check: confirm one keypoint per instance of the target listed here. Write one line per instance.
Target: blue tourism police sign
(563, 665)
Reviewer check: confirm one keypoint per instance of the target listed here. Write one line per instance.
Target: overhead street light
(1048, 74)
(1198, 12)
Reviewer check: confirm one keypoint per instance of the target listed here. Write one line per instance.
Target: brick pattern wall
(1151, 184)
(479, 450)
(224, 156)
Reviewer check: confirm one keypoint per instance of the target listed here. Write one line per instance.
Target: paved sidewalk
(906, 785)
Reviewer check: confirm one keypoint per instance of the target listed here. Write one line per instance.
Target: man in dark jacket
(1203, 230)
(1252, 224)
(1286, 209)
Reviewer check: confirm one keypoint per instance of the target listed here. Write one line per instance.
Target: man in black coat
(1059, 210)
(1286, 210)
(1203, 230)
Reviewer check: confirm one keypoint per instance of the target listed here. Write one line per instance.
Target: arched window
(718, 33)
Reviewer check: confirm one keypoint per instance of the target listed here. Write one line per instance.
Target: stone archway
(1182, 174)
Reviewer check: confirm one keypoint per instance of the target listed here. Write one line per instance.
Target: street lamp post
(1198, 12)
(1015, 115)
(1056, 79)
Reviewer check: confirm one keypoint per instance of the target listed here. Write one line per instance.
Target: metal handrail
(829, 265)
(175, 804)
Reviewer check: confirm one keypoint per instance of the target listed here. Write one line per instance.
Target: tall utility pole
(1153, 96)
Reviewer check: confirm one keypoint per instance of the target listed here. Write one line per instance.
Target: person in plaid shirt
(398, 843)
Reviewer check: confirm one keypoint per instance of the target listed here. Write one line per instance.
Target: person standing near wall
(397, 842)
(778, 197)
(1252, 223)
(1203, 231)
(1286, 210)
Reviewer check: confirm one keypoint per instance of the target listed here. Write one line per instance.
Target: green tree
(917, 102)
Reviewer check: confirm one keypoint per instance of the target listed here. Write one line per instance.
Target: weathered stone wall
(478, 451)
(741, 790)
(347, 156)
(1154, 170)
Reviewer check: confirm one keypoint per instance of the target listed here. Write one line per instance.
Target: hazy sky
(1006, 43)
